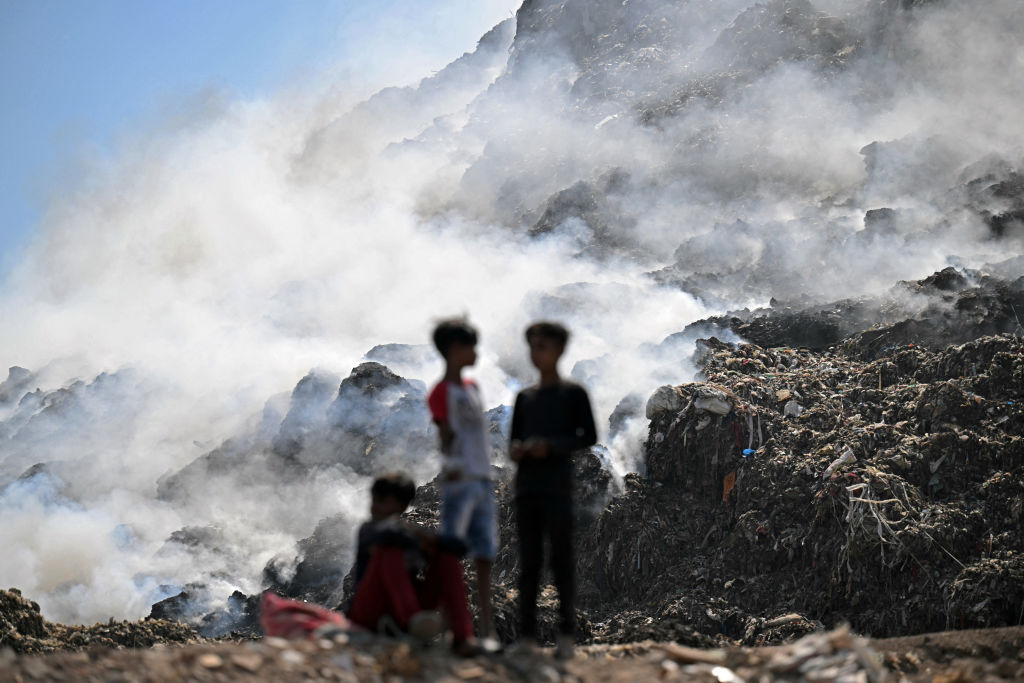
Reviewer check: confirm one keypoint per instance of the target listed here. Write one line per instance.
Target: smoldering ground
(601, 163)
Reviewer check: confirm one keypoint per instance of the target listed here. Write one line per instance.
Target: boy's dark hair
(453, 331)
(394, 485)
(556, 332)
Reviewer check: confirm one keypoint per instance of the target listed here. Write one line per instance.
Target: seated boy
(390, 553)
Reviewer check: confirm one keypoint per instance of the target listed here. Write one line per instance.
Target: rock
(250, 662)
(210, 661)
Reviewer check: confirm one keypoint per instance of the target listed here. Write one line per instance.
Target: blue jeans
(468, 511)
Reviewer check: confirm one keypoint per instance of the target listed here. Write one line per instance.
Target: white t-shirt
(462, 408)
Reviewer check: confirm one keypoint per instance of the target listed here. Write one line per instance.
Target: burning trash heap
(792, 489)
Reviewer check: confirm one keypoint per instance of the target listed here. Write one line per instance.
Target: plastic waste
(725, 675)
(728, 484)
(846, 457)
(287, 618)
(713, 405)
(747, 452)
(712, 401)
(792, 409)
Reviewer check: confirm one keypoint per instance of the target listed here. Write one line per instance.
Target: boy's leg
(482, 539)
(530, 524)
(456, 508)
(446, 587)
(385, 589)
(563, 560)
(483, 589)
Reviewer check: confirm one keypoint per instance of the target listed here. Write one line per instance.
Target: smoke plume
(187, 314)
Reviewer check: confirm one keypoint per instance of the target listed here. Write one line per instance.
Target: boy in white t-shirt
(468, 508)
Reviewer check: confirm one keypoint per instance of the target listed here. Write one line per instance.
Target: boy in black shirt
(550, 421)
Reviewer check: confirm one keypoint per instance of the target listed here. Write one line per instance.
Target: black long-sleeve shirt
(560, 414)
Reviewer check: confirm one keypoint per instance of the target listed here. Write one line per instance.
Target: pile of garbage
(24, 630)
(951, 306)
(793, 488)
(789, 491)
(887, 494)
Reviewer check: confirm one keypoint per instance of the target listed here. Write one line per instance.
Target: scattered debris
(24, 630)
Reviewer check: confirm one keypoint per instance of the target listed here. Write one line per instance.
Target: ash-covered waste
(951, 306)
(886, 493)
(789, 485)
(364, 424)
(779, 494)
(24, 630)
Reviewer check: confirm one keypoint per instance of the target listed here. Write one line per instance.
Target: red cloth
(438, 402)
(386, 588)
(291, 618)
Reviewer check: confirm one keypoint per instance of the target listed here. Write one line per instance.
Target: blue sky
(73, 73)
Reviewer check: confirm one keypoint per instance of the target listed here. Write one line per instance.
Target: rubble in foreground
(825, 656)
(836, 656)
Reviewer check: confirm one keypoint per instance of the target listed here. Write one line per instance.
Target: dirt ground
(947, 657)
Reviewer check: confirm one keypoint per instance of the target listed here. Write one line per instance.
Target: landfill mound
(25, 631)
(787, 492)
(792, 489)
(951, 306)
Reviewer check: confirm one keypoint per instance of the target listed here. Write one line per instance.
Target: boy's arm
(438, 404)
(446, 436)
(391, 532)
(362, 552)
(425, 538)
(516, 451)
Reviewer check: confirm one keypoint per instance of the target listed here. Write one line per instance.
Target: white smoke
(215, 263)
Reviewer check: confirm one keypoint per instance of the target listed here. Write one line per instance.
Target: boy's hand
(516, 451)
(537, 448)
(428, 543)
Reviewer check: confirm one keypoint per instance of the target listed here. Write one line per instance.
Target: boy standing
(468, 509)
(551, 420)
(390, 551)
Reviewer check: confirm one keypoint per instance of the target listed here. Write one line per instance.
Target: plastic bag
(293, 619)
